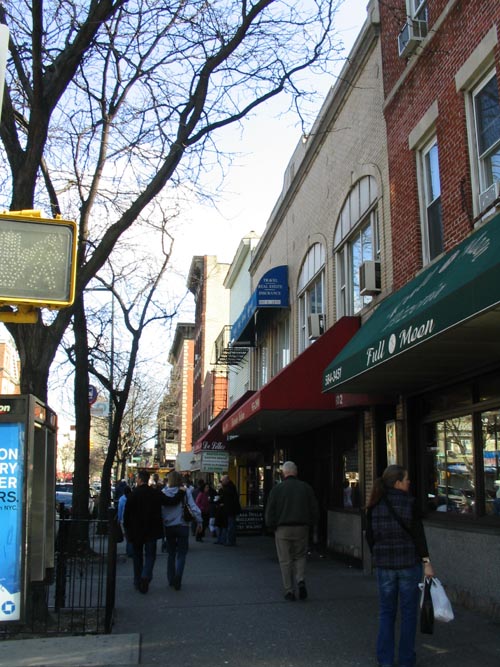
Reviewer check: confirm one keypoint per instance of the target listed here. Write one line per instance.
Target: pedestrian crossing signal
(37, 260)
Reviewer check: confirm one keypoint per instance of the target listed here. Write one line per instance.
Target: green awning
(443, 323)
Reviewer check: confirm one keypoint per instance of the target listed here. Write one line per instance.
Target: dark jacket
(142, 515)
(291, 503)
(229, 499)
(394, 546)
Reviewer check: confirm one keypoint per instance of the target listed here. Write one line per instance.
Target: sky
(254, 182)
(265, 147)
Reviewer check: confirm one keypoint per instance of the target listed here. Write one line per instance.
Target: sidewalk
(231, 611)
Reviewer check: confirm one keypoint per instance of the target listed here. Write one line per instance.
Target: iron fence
(78, 595)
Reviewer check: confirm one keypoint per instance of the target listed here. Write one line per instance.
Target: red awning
(293, 402)
(214, 439)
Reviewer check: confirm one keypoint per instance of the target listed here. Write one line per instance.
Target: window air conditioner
(316, 325)
(412, 33)
(369, 278)
(489, 196)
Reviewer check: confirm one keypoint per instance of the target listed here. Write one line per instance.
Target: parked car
(64, 496)
(64, 504)
(64, 486)
(458, 500)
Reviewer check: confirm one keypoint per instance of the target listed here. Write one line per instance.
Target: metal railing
(78, 596)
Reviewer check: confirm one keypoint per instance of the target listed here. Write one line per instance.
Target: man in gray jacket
(290, 511)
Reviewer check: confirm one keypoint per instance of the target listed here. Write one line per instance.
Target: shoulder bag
(398, 518)
(187, 513)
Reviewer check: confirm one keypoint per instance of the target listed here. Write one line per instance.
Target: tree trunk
(82, 439)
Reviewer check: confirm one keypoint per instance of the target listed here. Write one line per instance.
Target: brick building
(175, 415)
(9, 367)
(206, 283)
(331, 218)
(433, 342)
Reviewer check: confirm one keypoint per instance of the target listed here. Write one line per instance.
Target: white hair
(289, 468)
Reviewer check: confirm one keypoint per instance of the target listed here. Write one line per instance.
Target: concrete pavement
(231, 611)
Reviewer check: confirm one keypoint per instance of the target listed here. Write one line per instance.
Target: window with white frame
(486, 105)
(262, 365)
(430, 197)
(311, 290)
(356, 241)
(281, 345)
(417, 9)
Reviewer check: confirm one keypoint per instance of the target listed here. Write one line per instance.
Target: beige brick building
(329, 228)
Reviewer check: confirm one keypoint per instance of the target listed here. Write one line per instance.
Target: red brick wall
(431, 78)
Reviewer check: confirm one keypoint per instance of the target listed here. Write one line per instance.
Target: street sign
(93, 393)
(214, 461)
(37, 260)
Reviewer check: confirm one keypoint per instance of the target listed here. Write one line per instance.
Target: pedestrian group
(394, 532)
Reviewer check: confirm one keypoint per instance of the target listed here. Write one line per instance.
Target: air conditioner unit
(316, 325)
(369, 278)
(412, 33)
(489, 196)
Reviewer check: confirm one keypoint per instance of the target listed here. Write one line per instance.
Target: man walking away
(290, 511)
(143, 527)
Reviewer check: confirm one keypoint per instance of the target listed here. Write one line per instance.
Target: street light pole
(111, 366)
(111, 355)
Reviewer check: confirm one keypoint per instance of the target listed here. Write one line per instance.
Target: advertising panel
(214, 461)
(12, 443)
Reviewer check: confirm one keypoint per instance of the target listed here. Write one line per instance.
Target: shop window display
(463, 463)
(452, 474)
(490, 426)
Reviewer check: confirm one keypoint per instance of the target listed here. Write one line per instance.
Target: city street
(231, 611)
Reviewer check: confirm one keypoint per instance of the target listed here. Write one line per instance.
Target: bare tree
(133, 293)
(113, 104)
(139, 421)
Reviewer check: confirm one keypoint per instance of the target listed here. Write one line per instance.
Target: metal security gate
(79, 598)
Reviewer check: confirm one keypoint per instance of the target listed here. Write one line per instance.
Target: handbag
(442, 606)
(426, 608)
(187, 513)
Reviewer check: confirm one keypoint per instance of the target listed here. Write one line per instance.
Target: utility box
(28, 431)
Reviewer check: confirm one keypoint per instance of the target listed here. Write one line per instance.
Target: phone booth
(28, 430)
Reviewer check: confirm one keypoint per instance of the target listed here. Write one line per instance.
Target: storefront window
(351, 494)
(490, 427)
(462, 452)
(251, 486)
(451, 475)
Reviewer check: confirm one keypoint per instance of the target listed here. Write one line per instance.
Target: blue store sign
(271, 292)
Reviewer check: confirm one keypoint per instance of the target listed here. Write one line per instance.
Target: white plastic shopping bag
(442, 606)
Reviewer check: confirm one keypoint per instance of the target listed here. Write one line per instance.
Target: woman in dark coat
(395, 534)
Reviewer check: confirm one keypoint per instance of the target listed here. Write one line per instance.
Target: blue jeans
(394, 584)
(231, 530)
(177, 547)
(144, 559)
